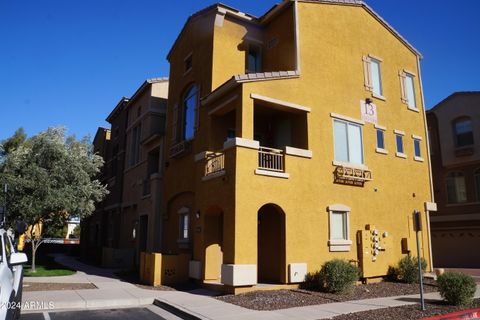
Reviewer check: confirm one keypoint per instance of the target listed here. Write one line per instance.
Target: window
(463, 132)
(380, 139)
(407, 84)
(376, 77)
(135, 145)
(456, 190)
(190, 101)
(477, 183)
(339, 233)
(373, 76)
(416, 148)
(399, 143)
(348, 142)
(254, 59)
(184, 222)
(188, 63)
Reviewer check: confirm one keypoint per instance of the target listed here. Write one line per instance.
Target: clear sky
(68, 62)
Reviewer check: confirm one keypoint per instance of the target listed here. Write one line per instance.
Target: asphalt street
(148, 313)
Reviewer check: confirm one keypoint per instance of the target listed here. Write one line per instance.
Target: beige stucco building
(455, 147)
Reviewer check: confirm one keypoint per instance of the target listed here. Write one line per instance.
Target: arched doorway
(271, 244)
(213, 241)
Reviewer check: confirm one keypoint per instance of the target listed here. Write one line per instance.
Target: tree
(51, 177)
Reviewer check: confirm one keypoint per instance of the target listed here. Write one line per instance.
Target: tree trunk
(35, 245)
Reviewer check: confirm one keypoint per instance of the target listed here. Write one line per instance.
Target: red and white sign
(368, 112)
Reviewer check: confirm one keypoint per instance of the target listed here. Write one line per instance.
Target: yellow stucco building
(292, 139)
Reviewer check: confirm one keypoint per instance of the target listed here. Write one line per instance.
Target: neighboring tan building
(293, 139)
(132, 149)
(454, 127)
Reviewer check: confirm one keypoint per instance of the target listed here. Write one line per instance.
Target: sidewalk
(114, 293)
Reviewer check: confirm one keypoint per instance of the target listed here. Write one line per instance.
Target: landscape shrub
(407, 270)
(311, 281)
(337, 276)
(456, 288)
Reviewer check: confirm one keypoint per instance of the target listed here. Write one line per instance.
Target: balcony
(214, 163)
(271, 159)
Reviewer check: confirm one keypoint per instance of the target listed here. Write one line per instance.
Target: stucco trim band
(280, 102)
(275, 174)
(298, 152)
(346, 118)
(241, 142)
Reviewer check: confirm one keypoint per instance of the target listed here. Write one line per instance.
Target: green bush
(406, 270)
(337, 276)
(311, 281)
(456, 288)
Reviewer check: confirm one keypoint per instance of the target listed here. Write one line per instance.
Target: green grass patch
(47, 267)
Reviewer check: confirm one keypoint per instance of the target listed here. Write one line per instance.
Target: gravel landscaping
(411, 312)
(282, 299)
(42, 286)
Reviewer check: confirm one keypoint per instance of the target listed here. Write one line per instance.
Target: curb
(175, 310)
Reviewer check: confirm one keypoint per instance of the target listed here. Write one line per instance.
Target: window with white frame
(407, 83)
(373, 75)
(416, 148)
(348, 141)
(456, 189)
(184, 223)
(380, 139)
(339, 227)
(399, 143)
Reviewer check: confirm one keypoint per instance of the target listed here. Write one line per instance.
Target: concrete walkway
(114, 293)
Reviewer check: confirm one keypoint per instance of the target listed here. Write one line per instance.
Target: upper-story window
(463, 131)
(348, 141)
(186, 116)
(399, 144)
(188, 63)
(373, 76)
(407, 83)
(417, 148)
(254, 59)
(456, 189)
(380, 133)
(135, 145)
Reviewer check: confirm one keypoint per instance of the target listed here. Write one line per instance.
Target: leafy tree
(50, 177)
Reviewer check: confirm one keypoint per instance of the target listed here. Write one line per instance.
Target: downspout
(297, 37)
(427, 139)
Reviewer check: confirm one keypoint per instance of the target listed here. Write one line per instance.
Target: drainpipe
(297, 37)
(427, 139)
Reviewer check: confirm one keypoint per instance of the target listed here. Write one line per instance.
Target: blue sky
(69, 62)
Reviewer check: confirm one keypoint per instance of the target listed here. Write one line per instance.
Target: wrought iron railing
(215, 162)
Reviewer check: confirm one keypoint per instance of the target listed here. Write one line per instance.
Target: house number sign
(368, 112)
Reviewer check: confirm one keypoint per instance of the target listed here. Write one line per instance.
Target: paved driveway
(147, 313)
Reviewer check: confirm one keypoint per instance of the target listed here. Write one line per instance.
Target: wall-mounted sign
(368, 112)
